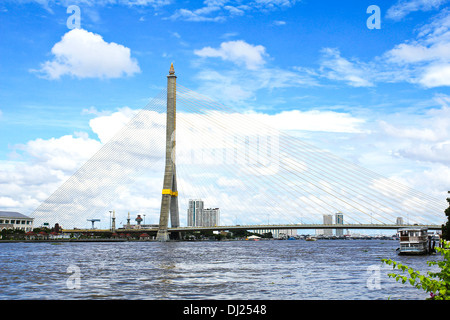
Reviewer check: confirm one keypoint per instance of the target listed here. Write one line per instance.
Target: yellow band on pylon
(168, 191)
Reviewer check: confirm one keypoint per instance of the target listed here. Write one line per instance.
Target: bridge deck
(262, 227)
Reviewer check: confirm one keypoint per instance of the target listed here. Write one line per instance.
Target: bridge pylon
(169, 201)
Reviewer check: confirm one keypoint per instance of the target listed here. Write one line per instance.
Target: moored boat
(413, 241)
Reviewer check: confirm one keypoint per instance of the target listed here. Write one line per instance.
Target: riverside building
(16, 221)
(199, 216)
(339, 219)
(327, 219)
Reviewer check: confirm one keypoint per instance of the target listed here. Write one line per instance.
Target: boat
(310, 238)
(414, 241)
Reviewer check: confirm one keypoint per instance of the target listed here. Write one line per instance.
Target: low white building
(278, 233)
(15, 220)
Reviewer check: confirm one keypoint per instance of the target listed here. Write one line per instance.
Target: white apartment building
(327, 219)
(339, 219)
(198, 216)
(194, 214)
(210, 217)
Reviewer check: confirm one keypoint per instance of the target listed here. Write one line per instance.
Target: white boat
(413, 241)
(311, 239)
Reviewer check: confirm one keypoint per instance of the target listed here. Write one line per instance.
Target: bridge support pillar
(169, 201)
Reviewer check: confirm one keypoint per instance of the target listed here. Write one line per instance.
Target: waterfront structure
(113, 224)
(93, 221)
(339, 219)
(144, 236)
(169, 201)
(327, 219)
(278, 233)
(16, 221)
(139, 220)
(399, 221)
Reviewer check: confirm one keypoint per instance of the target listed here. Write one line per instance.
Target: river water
(251, 270)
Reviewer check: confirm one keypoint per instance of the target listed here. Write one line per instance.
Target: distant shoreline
(136, 240)
(70, 240)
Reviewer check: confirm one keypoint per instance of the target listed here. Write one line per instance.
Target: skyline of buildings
(328, 219)
(199, 216)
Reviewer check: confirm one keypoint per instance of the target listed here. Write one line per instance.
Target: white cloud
(248, 75)
(279, 23)
(427, 58)
(424, 61)
(313, 120)
(437, 75)
(221, 10)
(83, 54)
(426, 139)
(404, 7)
(7, 202)
(439, 152)
(238, 52)
(238, 86)
(426, 134)
(198, 15)
(335, 67)
(106, 126)
(45, 164)
(64, 153)
(90, 3)
(115, 179)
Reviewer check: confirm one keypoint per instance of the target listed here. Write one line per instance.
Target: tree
(437, 283)
(446, 227)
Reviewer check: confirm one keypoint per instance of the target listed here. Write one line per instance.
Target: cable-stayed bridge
(183, 146)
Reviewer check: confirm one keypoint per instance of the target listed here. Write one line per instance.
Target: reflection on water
(326, 269)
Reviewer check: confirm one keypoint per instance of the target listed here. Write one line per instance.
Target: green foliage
(446, 227)
(12, 234)
(437, 283)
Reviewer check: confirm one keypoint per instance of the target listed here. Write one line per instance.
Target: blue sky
(379, 97)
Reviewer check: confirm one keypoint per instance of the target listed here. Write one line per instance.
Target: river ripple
(282, 270)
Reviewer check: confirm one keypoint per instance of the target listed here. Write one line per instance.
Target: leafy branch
(437, 283)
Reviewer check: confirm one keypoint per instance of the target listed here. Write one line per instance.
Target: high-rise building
(198, 216)
(327, 219)
(210, 217)
(339, 219)
(194, 214)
